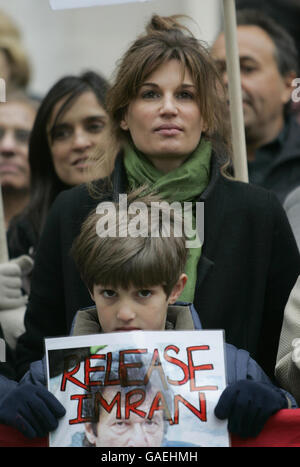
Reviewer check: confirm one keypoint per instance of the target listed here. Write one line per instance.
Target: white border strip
(68, 4)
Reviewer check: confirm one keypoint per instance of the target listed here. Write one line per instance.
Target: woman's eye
(185, 95)
(60, 133)
(150, 94)
(96, 127)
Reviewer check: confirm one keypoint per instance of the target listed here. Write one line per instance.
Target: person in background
(8, 27)
(287, 370)
(17, 116)
(69, 125)
(15, 68)
(269, 65)
(284, 12)
(292, 209)
(169, 130)
(15, 65)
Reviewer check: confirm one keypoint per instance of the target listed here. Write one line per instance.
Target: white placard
(67, 4)
(182, 373)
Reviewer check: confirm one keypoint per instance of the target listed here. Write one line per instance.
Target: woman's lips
(127, 329)
(80, 163)
(168, 130)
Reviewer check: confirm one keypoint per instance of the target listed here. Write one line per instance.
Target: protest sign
(139, 388)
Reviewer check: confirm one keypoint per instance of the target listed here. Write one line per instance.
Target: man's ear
(89, 432)
(177, 289)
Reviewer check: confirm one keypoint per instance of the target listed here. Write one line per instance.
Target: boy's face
(134, 309)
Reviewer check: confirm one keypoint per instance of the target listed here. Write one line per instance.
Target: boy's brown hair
(122, 261)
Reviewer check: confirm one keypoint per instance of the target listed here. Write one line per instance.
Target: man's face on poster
(132, 432)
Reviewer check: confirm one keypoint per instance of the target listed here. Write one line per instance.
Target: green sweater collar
(184, 183)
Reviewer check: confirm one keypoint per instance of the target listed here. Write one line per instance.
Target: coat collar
(86, 322)
(288, 142)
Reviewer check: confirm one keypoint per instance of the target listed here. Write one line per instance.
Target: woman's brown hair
(166, 39)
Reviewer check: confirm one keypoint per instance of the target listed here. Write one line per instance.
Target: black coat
(249, 264)
(284, 171)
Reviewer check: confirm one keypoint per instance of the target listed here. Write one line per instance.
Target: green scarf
(184, 183)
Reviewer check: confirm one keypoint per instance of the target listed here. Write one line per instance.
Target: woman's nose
(81, 139)
(169, 105)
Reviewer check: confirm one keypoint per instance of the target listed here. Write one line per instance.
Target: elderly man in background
(269, 64)
(16, 120)
(17, 116)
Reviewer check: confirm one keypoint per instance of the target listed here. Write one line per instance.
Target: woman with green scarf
(170, 135)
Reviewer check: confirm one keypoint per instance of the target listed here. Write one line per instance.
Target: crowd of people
(161, 129)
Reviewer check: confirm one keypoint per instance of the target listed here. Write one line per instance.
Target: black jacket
(249, 264)
(283, 174)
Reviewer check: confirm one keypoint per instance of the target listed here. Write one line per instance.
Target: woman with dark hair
(168, 118)
(69, 125)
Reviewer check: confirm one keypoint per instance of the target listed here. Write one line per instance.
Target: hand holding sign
(31, 409)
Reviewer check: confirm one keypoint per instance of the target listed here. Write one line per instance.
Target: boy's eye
(144, 293)
(108, 293)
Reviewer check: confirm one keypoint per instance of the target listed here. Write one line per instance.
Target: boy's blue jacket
(181, 316)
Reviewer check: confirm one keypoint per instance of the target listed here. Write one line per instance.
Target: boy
(133, 261)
